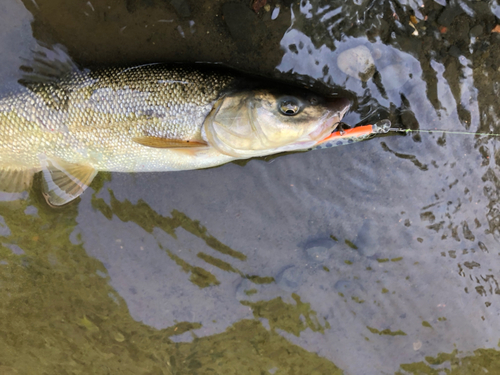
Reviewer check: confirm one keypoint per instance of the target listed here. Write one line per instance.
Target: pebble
(367, 237)
(357, 62)
(454, 51)
(476, 31)
(318, 249)
(291, 278)
(318, 253)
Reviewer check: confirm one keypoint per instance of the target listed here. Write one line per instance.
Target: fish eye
(289, 107)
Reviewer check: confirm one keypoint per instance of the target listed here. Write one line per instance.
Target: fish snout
(339, 105)
(336, 109)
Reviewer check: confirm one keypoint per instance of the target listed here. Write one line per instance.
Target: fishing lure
(357, 134)
(361, 133)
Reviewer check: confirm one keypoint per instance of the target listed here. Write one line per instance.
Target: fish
(70, 123)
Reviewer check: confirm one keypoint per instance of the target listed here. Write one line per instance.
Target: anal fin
(63, 181)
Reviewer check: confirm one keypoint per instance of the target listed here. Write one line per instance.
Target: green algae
(99, 180)
(483, 361)
(426, 324)
(260, 279)
(286, 316)
(351, 244)
(248, 348)
(219, 263)
(57, 316)
(198, 275)
(386, 331)
(181, 328)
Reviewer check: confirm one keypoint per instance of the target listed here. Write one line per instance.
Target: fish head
(264, 122)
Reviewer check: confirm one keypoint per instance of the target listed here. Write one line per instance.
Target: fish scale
(104, 110)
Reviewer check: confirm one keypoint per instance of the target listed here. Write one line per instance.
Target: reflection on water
(381, 257)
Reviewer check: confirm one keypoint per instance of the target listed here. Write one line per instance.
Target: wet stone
(367, 237)
(291, 278)
(318, 249)
(476, 31)
(454, 51)
(357, 62)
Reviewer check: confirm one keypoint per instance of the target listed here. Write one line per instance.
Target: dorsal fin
(47, 65)
(158, 142)
(63, 181)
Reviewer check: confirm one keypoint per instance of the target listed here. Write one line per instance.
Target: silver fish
(156, 117)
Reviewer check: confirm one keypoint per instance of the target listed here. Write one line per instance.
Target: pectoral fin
(158, 142)
(63, 181)
(15, 180)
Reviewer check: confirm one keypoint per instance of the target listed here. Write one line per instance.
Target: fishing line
(401, 130)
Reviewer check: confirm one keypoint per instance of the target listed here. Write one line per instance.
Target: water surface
(380, 257)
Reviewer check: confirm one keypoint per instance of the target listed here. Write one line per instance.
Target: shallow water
(380, 257)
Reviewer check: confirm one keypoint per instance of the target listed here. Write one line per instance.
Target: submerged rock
(357, 62)
(394, 76)
(319, 249)
(318, 253)
(291, 278)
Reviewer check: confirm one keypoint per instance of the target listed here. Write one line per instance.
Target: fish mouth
(327, 138)
(337, 108)
(339, 105)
